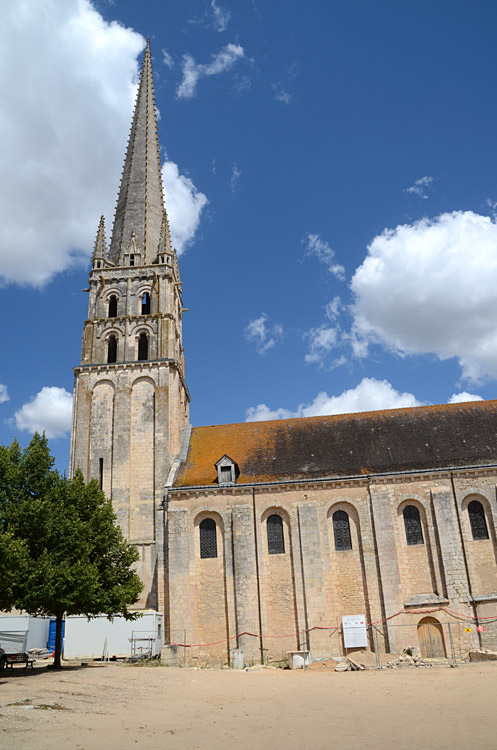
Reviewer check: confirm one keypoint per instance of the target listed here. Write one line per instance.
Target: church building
(272, 531)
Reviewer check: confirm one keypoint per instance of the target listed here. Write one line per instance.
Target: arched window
(477, 520)
(341, 530)
(146, 304)
(113, 306)
(112, 349)
(412, 525)
(143, 346)
(275, 538)
(208, 541)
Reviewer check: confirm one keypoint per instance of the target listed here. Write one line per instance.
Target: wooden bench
(9, 660)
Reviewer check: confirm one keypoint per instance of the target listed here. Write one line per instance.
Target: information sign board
(354, 631)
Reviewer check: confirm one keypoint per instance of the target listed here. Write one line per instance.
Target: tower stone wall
(130, 394)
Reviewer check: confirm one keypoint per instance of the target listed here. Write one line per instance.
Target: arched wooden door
(431, 638)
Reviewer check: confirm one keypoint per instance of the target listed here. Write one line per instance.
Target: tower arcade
(130, 394)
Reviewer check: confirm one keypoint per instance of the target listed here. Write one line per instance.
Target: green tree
(75, 559)
(12, 562)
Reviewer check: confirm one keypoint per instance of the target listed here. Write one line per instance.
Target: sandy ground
(118, 706)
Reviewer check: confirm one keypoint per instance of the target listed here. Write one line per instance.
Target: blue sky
(330, 172)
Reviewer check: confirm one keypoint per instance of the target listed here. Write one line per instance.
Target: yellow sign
(467, 630)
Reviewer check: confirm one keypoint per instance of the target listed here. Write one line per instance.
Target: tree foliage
(60, 548)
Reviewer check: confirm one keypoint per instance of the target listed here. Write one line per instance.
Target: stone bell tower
(130, 394)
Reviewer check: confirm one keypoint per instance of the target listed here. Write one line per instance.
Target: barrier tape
(334, 628)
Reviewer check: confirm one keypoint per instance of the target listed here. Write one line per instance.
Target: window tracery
(477, 520)
(341, 531)
(208, 538)
(412, 525)
(275, 537)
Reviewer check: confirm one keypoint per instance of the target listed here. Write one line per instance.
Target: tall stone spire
(140, 204)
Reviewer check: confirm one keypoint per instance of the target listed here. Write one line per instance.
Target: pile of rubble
(358, 662)
(409, 661)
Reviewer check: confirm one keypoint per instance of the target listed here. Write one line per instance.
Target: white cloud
(193, 72)
(461, 398)
(184, 204)
(429, 288)
(214, 17)
(333, 308)
(67, 82)
(369, 395)
(323, 252)
(264, 336)
(167, 59)
(221, 16)
(421, 187)
(242, 83)
(321, 341)
(235, 176)
(4, 396)
(280, 94)
(49, 411)
(325, 338)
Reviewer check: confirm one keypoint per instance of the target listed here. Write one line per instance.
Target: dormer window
(226, 474)
(227, 470)
(132, 259)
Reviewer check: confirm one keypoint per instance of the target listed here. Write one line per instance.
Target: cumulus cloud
(429, 288)
(421, 187)
(184, 205)
(261, 334)
(193, 72)
(67, 82)
(369, 395)
(49, 411)
(322, 251)
(4, 396)
(461, 398)
(235, 176)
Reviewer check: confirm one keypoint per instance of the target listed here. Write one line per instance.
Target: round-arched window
(341, 531)
(208, 538)
(477, 520)
(113, 306)
(412, 525)
(275, 538)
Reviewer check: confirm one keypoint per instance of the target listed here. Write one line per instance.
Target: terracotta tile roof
(423, 437)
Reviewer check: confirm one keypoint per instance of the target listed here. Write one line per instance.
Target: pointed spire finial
(140, 204)
(165, 237)
(100, 247)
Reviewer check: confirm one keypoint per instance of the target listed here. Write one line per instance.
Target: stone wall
(312, 584)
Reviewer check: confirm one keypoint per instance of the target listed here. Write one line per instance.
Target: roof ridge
(356, 414)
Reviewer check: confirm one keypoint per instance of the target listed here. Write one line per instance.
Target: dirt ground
(119, 706)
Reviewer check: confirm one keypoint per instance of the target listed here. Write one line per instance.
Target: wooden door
(431, 638)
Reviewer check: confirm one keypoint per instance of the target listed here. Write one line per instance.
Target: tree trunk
(58, 640)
